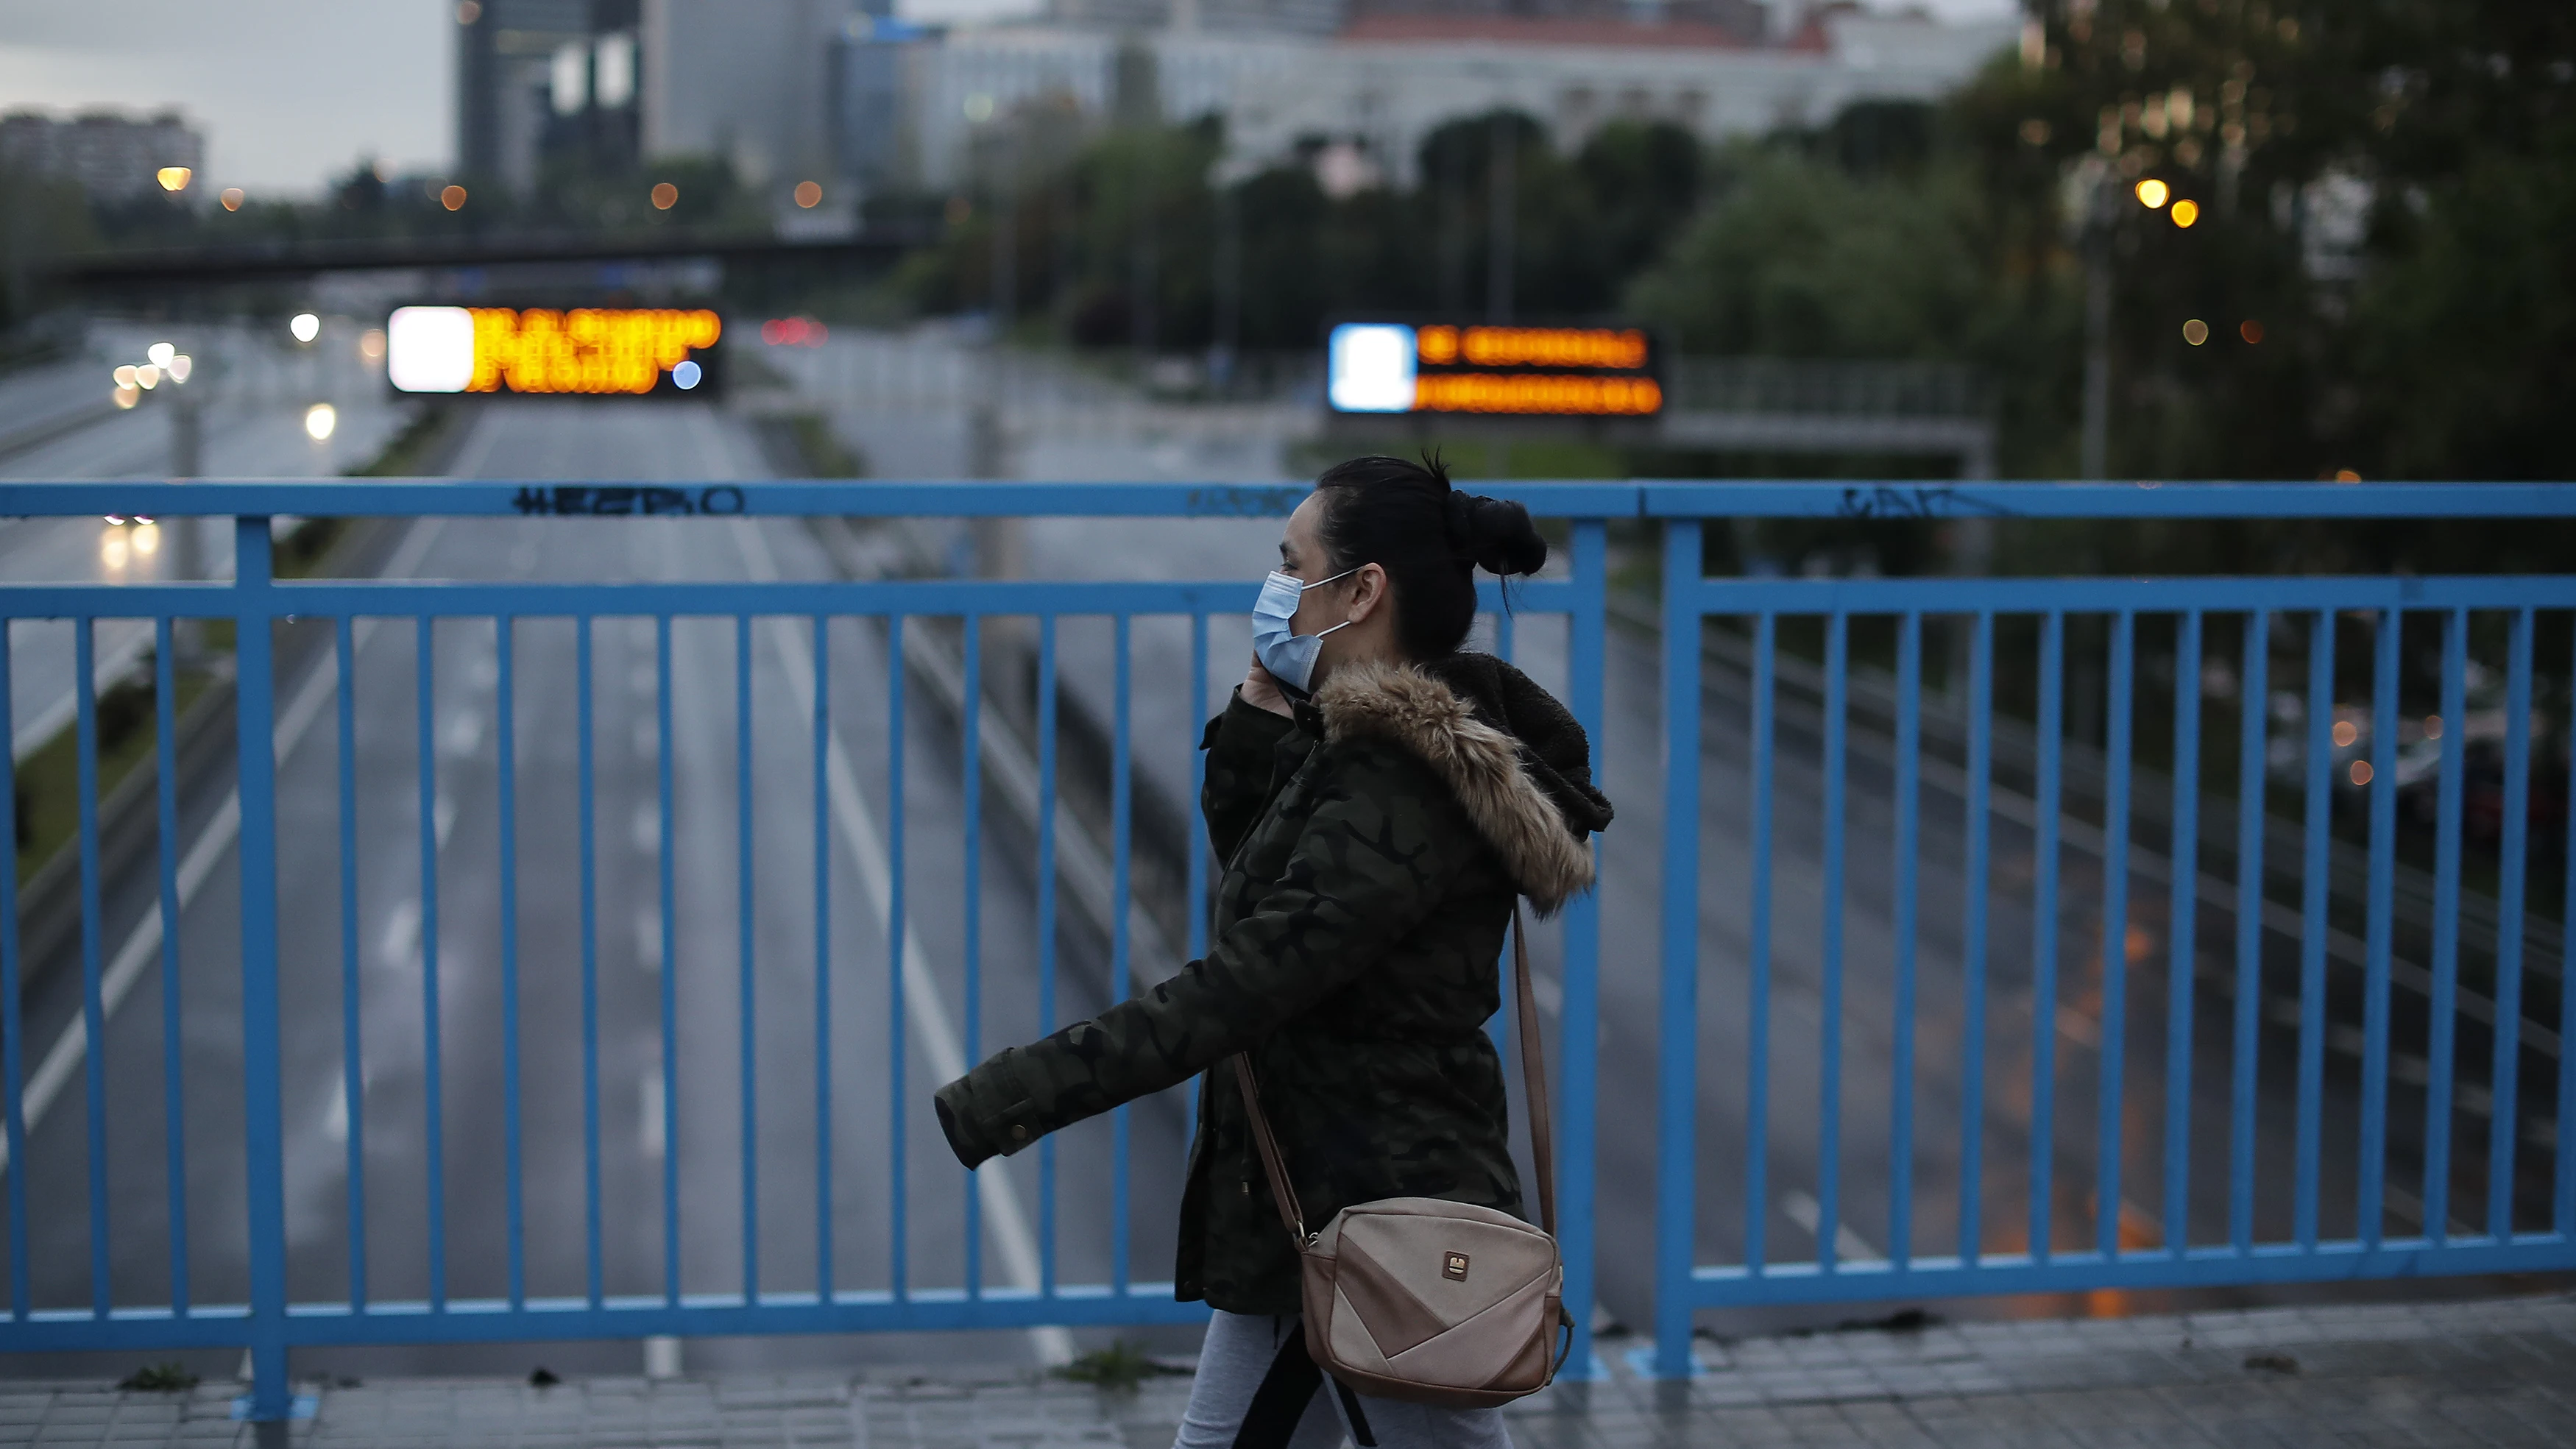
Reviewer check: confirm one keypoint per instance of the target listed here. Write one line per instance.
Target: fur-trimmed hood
(1516, 759)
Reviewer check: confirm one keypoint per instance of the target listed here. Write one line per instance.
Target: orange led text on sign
(1523, 392)
(1623, 348)
(586, 349)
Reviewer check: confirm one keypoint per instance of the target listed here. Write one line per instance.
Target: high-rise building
(114, 157)
(542, 80)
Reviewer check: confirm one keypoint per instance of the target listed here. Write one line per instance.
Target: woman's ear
(1368, 591)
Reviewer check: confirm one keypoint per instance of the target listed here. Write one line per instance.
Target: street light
(173, 178)
(2152, 193)
(305, 327)
(319, 421)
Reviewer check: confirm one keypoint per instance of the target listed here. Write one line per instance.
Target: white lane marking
(335, 1111)
(64, 1057)
(921, 1000)
(402, 935)
(648, 940)
(463, 736)
(1809, 1214)
(650, 1109)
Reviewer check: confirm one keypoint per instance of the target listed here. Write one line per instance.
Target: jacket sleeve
(1239, 743)
(1374, 858)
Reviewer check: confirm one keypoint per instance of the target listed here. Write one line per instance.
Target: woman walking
(1380, 798)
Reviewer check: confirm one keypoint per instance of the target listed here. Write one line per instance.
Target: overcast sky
(289, 92)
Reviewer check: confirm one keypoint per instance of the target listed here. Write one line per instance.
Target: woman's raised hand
(1261, 691)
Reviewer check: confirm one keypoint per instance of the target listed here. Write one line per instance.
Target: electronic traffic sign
(549, 351)
(1396, 367)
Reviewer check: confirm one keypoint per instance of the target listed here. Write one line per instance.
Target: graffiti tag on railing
(1914, 503)
(567, 501)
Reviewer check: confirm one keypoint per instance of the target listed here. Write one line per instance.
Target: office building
(115, 158)
(546, 81)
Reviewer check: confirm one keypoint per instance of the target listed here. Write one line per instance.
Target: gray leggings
(1256, 1389)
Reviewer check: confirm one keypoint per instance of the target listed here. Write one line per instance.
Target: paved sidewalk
(2491, 1372)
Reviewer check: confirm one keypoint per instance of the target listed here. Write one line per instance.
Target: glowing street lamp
(173, 179)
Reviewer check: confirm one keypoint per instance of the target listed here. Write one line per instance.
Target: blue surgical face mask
(1289, 657)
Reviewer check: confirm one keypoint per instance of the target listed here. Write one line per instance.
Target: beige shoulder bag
(1428, 1301)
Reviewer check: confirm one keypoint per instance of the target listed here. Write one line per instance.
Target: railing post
(1677, 1073)
(262, 1122)
(1580, 1022)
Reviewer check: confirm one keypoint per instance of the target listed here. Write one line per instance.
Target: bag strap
(1533, 1087)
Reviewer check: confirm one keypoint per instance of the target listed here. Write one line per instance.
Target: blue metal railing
(841, 655)
(2087, 1235)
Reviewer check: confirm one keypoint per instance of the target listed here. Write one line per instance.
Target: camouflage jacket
(1372, 846)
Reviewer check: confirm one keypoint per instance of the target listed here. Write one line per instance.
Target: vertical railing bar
(2043, 925)
(823, 1266)
(668, 863)
(2254, 697)
(504, 627)
(970, 769)
(433, 1129)
(1197, 846)
(353, 1059)
(12, 1079)
(896, 1216)
(2503, 1119)
(1909, 709)
(2111, 1058)
(2441, 1064)
(1972, 942)
(2312, 945)
(1676, 1069)
(2564, 1218)
(2368, 1208)
(1122, 974)
(174, 1117)
(93, 1008)
(584, 746)
(2183, 931)
(745, 1019)
(1829, 1065)
(263, 1114)
(1579, 1019)
(1047, 928)
(1757, 1021)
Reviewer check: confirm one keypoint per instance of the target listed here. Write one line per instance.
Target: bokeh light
(2250, 330)
(665, 196)
(809, 194)
(2152, 193)
(452, 197)
(2195, 332)
(320, 421)
(232, 198)
(160, 353)
(2186, 212)
(305, 327)
(173, 178)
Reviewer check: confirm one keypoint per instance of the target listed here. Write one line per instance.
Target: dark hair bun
(1497, 535)
(1429, 537)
